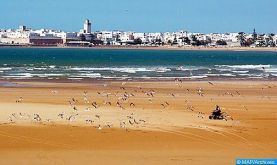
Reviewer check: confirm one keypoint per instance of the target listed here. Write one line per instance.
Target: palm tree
(241, 38)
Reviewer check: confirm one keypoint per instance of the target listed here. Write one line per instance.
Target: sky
(204, 16)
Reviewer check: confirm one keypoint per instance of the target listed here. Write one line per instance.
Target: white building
(87, 27)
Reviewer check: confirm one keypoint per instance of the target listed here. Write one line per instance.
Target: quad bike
(218, 115)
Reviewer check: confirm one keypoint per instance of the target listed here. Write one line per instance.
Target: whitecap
(3, 69)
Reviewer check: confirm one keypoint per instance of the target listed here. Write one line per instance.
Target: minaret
(87, 26)
(254, 34)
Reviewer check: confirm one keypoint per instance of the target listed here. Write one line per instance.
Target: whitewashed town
(25, 36)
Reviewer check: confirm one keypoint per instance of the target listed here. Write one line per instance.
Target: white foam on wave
(3, 69)
(19, 75)
(30, 75)
(52, 66)
(40, 68)
(162, 70)
(198, 77)
(89, 75)
(49, 75)
(240, 71)
(219, 75)
(271, 70)
(191, 68)
(123, 69)
(245, 66)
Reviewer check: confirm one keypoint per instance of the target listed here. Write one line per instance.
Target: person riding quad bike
(217, 114)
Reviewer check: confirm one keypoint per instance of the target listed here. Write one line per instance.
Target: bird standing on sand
(132, 104)
(97, 116)
(94, 104)
(37, 118)
(19, 100)
(61, 115)
(72, 117)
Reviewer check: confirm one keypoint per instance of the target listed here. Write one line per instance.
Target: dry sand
(147, 133)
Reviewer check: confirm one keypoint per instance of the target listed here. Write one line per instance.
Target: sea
(127, 64)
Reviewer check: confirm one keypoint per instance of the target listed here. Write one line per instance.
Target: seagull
(94, 104)
(142, 120)
(131, 122)
(37, 117)
(54, 91)
(74, 100)
(86, 100)
(97, 116)
(87, 109)
(19, 100)
(61, 115)
(135, 121)
(89, 121)
(99, 127)
(132, 104)
(108, 103)
(72, 117)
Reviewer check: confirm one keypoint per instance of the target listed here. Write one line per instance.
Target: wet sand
(153, 122)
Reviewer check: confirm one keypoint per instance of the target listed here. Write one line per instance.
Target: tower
(87, 26)
(254, 34)
(22, 28)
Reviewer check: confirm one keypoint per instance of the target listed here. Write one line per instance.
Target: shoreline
(175, 48)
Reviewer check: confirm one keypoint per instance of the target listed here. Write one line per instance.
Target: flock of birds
(124, 100)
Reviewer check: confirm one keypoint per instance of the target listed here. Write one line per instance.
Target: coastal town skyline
(86, 36)
(200, 16)
(93, 25)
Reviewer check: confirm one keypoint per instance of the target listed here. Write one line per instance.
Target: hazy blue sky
(143, 15)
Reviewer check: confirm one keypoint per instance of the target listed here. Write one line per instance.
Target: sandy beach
(118, 122)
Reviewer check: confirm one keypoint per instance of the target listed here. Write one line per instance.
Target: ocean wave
(245, 66)
(271, 70)
(198, 77)
(192, 68)
(240, 71)
(19, 75)
(4, 69)
(89, 75)
(145, 72)
(123, 69)
(40, 68)
(220, 75)
(49, 75)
